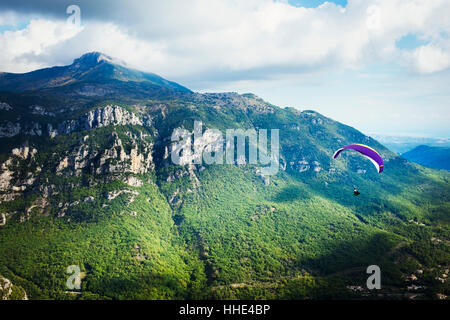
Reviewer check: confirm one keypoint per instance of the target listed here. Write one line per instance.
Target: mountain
(433, 157)
(87, 180)
(91, 68)
(402, 144)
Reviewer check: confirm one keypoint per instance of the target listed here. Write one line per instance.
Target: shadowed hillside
(433, 157)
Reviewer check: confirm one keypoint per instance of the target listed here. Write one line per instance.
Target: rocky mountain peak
(94, 58)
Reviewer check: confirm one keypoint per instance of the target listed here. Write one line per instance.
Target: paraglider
(367, 152)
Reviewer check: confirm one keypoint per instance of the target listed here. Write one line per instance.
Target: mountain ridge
(92, 66)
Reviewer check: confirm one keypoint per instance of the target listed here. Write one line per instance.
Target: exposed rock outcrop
(40, 110)
(9, 173)
(5, 106)
(9, 129)
(114, 194)
(101, 117)
(10, 292)
(114, 159)
(133, 181)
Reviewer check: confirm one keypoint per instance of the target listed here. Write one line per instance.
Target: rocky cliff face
(12, 175)
(110, 115)
(107, 142)
(112, 159)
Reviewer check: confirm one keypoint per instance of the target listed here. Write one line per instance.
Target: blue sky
(315, 3)
(382, 66)
(382, 99)
(14, 27)
(410, 42)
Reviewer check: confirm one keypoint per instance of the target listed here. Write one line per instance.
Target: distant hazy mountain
(86, 179)
(433, 157)
(401, 144)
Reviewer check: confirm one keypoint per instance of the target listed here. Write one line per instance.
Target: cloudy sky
(382, 66)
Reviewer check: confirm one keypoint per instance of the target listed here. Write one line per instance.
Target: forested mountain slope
(87, 180)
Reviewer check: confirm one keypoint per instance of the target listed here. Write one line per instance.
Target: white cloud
(20, 50)
(430, 58)
(242, 39)
(8, 18)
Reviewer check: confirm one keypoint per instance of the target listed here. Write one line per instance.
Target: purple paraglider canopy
(366, 151)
